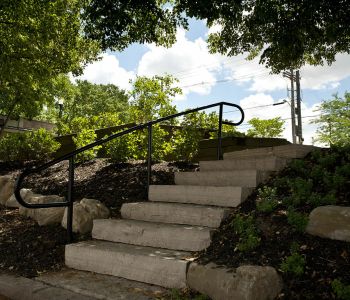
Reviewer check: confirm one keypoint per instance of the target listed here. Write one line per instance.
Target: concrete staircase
(153, 241)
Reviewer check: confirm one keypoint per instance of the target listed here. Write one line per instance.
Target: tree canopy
(38, 41)
(334, 121)
(269, 128)
(285, 34)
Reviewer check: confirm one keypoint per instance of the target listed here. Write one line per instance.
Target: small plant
(245, 228)
(341, 290)
(297, 220)
(295, 263)
(316, 199)
(301, 190)
(176, 294)
(267, 199)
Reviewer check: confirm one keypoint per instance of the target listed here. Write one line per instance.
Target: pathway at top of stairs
(152, 243)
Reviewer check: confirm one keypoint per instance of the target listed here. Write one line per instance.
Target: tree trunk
(2, 128)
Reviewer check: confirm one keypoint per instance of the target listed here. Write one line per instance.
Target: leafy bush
(341, 290)
(295, 263)
(267, 199)
(297, 220)
(301, 190)
(35, 145)
(83, 138)
(245, 228)
(316, 199)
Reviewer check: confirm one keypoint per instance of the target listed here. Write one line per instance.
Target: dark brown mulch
(326, 259)
(27, 249)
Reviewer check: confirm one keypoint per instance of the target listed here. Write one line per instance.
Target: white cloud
(107, 70)
(266, 110)
(189, 61)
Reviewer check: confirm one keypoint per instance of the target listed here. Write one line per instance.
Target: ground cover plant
(277, 214)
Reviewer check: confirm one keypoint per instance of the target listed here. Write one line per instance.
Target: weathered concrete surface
(21, 288)
(331, 222)
(243, 283)
(84, 212)
(268, 163)
(151, 265)
(286, 151)
(44, 216)
(12, 201)
(243, 178)
(7, 184)
(175, 213)
(102, 286)
(227, 196)
(169, 236)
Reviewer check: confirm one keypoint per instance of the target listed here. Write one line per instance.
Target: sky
(209, 78)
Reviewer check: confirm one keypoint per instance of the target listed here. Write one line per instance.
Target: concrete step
(146, 264)
(243, 178)
(227, 196)
(175, 213)
(268, 163)
(170, 236)
(286, 151)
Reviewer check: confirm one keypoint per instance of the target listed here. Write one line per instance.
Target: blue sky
(207, 78)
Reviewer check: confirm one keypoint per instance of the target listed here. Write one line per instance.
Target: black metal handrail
(70, 156)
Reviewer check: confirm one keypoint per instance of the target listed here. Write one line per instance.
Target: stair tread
(163, 235)
(146, 264)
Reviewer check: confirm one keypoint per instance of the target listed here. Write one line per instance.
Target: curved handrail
(70, 156)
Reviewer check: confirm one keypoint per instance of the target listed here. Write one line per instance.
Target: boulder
(331, 222)
(44, 216)
(243, 283)
(84, 213)
(7, 185)
(12, 201)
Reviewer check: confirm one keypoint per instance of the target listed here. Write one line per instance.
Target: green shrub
(295, 263)
(301, 190)
(297, 220)
(35, 145)
(316, 199)
(245, 228)
(267, 199)
(341, 290)
(83, 138)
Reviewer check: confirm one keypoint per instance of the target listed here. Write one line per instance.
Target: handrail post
(70, 200)
(219, 153)
(149, 158)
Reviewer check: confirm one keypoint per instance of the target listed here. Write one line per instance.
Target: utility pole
(290, 75)
(298, 110)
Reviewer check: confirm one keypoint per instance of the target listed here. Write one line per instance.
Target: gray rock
(331, 222)
(84, 213)
(44, 216)
(12, 201)
(7, 185)
(243, 283)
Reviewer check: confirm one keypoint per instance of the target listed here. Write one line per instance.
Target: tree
(151, 98)
(334, 121)
(269, 128)
(286, 34)
(39, 40)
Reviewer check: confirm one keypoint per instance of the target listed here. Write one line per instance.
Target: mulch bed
(28, 249)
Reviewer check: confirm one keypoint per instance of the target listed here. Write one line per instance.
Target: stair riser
(203, 195)
(199, 216)
(269, 164)
(153, 235)
(242, 179)
(145, 268)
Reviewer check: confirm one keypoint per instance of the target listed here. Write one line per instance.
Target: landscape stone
(7, 185)
(44, 216)
(12, 201)
(331, 222)
(243, 283)
(84, 212)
